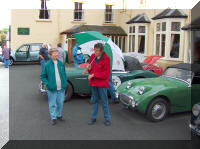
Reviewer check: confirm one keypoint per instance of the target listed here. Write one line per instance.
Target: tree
(3, 33)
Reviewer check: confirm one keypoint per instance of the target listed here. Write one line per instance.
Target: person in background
(6, 56)
(44, 56)
(99, 70)
(77, 55)
(49, 46)
(54, 77)
(66, 55)
(112, 90)
(61, 53)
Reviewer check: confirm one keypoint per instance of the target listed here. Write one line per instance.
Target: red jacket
(101, 71)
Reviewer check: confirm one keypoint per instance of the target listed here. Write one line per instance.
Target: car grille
(125, 98)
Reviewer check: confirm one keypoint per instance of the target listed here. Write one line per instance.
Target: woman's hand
(90, 76)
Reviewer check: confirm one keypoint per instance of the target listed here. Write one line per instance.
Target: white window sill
(172, 59)
(43, 20)
(109, 23)
(78, 22)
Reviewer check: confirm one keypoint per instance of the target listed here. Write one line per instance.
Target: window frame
(107, 13)
(78, 10)
(168, 34)
(123, 41)
(137, 34)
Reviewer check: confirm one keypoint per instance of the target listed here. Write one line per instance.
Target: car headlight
(128, 85)
(141, 90)
(132, 102)
(196, 109)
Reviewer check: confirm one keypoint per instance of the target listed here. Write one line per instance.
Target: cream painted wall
(40, 31)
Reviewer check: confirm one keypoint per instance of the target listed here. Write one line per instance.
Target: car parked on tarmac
(78, 83)
(26, 53)
(169, 93)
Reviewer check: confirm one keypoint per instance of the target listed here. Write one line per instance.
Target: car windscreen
(180, 74)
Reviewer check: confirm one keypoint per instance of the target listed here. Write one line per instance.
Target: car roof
(132, 63)
(186, 66)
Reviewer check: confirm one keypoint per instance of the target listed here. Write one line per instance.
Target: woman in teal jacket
(53, 76)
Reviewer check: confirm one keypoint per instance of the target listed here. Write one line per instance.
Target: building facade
(146, 31)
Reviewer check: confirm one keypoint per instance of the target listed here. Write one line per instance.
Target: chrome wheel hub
(158, 111)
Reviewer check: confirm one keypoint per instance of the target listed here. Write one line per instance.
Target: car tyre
(11, 61)
(68, 92)
(157, 110)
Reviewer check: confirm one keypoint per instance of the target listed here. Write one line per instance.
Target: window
(23, 48)
(164, 26)
(141, 29)
(175, 26)
(160, 39)
(44, 12)
(168, 39)
(158, 27)
(78, 11)
(108, 14)
(35, 47)
(119, 41)
(163, 45)
(137, 38)
(175, 45)
(157, 44)
(141, 44)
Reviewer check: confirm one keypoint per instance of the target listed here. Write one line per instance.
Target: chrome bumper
(195, 129)
(127, 100)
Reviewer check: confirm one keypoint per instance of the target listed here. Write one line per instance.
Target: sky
(7, 5)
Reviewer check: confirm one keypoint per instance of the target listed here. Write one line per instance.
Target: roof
(194, 25)
(140, 18)
(186, 66)
(105, 30)
(170, 13)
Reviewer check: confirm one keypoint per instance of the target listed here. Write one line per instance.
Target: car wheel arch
(159, 96)
(68, 81)
(71, 92)
(12, 58)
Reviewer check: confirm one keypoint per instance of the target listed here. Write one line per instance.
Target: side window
(23, 48)
(35, 48)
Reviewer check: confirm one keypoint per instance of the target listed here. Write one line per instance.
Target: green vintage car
(78, 83)
(175, 91)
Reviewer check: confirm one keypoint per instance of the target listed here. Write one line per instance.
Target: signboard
(23, 31)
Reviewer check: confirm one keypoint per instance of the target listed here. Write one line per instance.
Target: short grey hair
(52, 50)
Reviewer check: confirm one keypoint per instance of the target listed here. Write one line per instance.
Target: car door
(22, 53)
(34, 52)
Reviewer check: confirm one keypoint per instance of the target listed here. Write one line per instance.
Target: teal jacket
(48, 75)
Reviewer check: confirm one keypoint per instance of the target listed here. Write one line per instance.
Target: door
(34, 52)
(22, 53)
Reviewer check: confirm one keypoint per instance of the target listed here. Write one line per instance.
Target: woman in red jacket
(99, 70)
